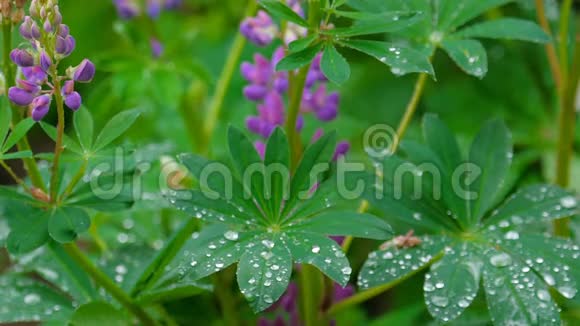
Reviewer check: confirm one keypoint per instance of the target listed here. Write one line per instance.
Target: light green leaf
(84, 127)
(469, 55)
(453, 282)
(535, 204)
(491, 152)
(334, 65)
(196, 204)
(515, 295)
(402, 60)
(5, 119)
(366, 24)
(264, 272)
(17, 133)
(68, 142)
(299, 59)
(16, 155)
(302, 43)
(28, 234)
(392, 263)
(26, 300)
(454, 13)
(116, 127)
(279, 10)
(506, 28)
(346, 224)
(321, 252)
(98, 314)
(66, 223)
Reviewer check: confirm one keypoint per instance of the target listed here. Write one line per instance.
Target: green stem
(157, 267)
(222, 282)
(103, 280)
(10, 79)
(550, 48)
(563, 37)
(223, 83)
(311, 289)
(373, 292)
(13, 175)
(297, 86)
(410, 110)
(58, 147)
(191, 113)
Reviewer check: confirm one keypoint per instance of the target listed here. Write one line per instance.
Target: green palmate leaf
(299, 59)
(346, 223)
(28, 233)
(366, 24)
(334, 65)
(17, 133)
(16, 155)
(321, 252)
(492, 153)
(469, 55)
(98, 314)
(108, 192)
(453, 282)
(534, 204)
(196, 203)
(554, 260)
(302, 43)
(454, 13)
(442, 141)
(27, 300)
(172, 292)
(249, 165)
(515, 294)
(506, 28)
(13, 194)
(279, 10)
(305, 177)
(84, 127)
(402, 60)
(68, 142)
(65, 224)
(392, 263)
(277, 160)
(264, 272)
(5, 120)
(115, 128)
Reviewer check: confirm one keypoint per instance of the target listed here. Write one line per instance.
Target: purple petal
(19, 96)
(73, 101)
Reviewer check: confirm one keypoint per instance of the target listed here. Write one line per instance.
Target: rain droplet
(32, 298)
(568, 202)
(231, 235)
(543, 295)
(439, 285)
(315, 249)
(567, 292)
(268, 244)
(463, 303)
(512, 235)
(346, 270)
(500, 260)
(440, 301)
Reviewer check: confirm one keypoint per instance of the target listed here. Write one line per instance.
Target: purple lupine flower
(19, 96)
(72, 99)
(34, 74)
(260, 148)
(322, 104)
(263, 76)
(259, 30)
(40, 106)
(45, 61)
(341, 150)
(271, 115)
(22, 58)
(315, 73)
(154, 8)
(172, 4)
(127, 9)
(65, 45)
(29, 29)
(84, 72)
(156, 47)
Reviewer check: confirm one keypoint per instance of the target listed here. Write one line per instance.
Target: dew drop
(463, 303)
(568, 202)
(512, 235)
(500, 260)
(231, 235)
(315, 249)
(543, 295)
(567, 292)
(346, 270)
(31, 298)
(440, 301)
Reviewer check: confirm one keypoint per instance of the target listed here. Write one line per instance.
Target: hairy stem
(297, 86)
(58, 147)
(550, 48)
(373, 292)
(103, 280)
(410, 110)
(75, 180)
(216, 104)
(10, 79)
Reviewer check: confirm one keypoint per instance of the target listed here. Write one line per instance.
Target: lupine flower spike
(48, 46)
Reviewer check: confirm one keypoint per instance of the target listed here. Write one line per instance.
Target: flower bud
(40, 106)
(63, 30)
(73, 101)
(47, 26)
(34, 74)
(68, 87)
(29, 86)
(34, 9)
(127, 9)
(20, 96)
(45, 61)
(83, 73)
(65, 46)
(22, 58)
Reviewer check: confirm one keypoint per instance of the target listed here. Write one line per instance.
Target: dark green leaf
(491, 152)
(506, 28)
(264, 272)
(279, 10)
(402, 60)
(277, 160)
(98, 314)
(334, 65)
(16, 155)
(302, 43)
(198, 205)
(392, 263)
(65, 224)
(454, 13)
(469, 55)
(5, 119)
(299, 59)
(321, 252)
(67, 141)
(346, 224)
(116, 127)
(84, 127)
(375, 24)
(28, 232)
